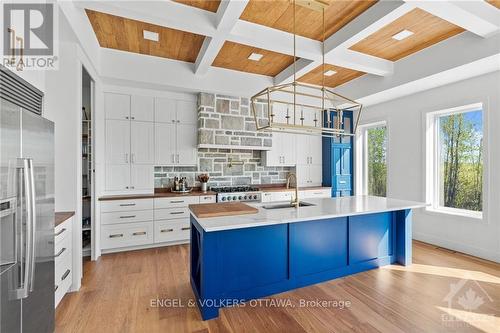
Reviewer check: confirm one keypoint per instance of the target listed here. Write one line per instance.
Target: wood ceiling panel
(495, 3)
(427, 28)
(235, 56)
(124, 34)
(210, 5)
(343, 75)
(278, 14)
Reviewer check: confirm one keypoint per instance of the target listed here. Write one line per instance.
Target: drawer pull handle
(115, 235)
(176, 213)
(177, 201)
(126, 205)
(139, 233)
(60, 232)
(60, 252)
(342, 182)
(166, 230)
(65, 275)
(128, 217)
(185, 228)
(57, 287)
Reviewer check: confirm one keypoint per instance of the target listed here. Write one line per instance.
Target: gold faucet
(294, 202)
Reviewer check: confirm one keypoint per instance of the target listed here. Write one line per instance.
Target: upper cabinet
(143, 108)
(117, 106)
(168, 110)
(283, 151)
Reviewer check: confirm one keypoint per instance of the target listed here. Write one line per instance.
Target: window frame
(361, 165)
(433, 189)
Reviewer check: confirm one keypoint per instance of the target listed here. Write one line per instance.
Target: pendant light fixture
(302, 108)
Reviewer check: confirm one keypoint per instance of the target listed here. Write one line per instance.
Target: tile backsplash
(215, 161)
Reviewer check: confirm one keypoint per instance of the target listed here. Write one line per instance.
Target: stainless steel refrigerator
(27, 217)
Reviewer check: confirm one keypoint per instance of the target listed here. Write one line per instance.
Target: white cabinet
(176, 132)
(142, 142)
(63, 259)
(309, 174)
(141, 177)
(309, 149)
(117, 177)
(283, 151)
(142, 108)
(117, 146)
(117, 106)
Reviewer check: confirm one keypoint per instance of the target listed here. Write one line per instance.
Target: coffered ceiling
(235, 56)
(210, 5)
(278, 14)
(427, 30)
(124, 34)
(341, 75)
(223, 34)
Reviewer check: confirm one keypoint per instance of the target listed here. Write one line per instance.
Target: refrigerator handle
(24, 290)
(33, 224)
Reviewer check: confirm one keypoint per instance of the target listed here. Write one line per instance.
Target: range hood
(226, 122)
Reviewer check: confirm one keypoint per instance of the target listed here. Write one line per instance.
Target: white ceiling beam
(476, 16)
(457, 58)
(227, 15)
(164, 13)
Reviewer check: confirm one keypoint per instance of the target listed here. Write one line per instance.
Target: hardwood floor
(118, 290)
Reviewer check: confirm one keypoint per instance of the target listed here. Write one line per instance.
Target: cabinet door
(117, 142)
(187, 112)
(165, 143)
(117, 177)
(117, 106)
(274, 157)
(303, 149)
(302, 174)
(315, 144)
(289, 149)
(315, 175)
(165, 110)
(141, 177)
(142, 142)
(187, 151)
(142, 108)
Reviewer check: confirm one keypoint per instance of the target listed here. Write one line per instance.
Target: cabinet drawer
(172, 230)
(320, 193)
(343, 182)
(171, 213)
(207, 198)
(125, 217)
(126, 205)
(126, 234)
(61, 250)
(176, 202)
(63, 275)
(62, 231)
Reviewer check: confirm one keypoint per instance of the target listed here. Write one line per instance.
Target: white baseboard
(455, 246)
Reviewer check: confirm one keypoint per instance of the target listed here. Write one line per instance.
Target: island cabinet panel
(318, 246)
(370, 237)
(253, 257)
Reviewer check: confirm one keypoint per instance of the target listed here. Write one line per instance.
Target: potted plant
(203, 178)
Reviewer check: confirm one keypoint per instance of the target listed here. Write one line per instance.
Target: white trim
(432, 155)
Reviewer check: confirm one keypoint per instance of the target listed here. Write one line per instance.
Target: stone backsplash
(226, 120)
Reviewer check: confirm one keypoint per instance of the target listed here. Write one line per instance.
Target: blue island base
(236, 265)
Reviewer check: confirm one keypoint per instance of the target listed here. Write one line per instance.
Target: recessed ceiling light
(402, 35)
(150, 35)
(330, 72)
(255, 56)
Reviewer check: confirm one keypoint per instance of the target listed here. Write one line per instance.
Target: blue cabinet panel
(317, 246)
(253, 257)
(370, 237)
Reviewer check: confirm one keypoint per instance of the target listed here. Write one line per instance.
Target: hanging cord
(294, 64)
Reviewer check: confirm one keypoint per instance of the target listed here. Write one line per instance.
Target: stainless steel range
(237, 193)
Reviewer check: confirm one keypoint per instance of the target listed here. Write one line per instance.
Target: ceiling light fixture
(402, 34)
(330, 72)
(255, 56)
(150, 35)
(288, 107)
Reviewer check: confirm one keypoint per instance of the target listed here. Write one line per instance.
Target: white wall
(406, 163)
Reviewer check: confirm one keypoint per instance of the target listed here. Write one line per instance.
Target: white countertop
(323, 208)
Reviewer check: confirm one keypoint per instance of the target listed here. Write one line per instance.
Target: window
(372, 143)
(455, 160)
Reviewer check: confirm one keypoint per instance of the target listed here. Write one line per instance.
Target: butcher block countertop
(221, 209)
(60, 217)
(157, 194)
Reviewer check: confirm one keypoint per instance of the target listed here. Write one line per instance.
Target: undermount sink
(287, 205)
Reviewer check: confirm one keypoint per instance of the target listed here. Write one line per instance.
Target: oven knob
(245, 197)
(228, 198)
(240, 197)
(255, 197)
(223, 199)
(235, 198)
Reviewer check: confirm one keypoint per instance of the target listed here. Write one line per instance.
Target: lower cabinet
(142, 222)
(63, 259)
(370, 237)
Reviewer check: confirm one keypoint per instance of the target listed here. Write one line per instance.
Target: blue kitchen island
(236, 258)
